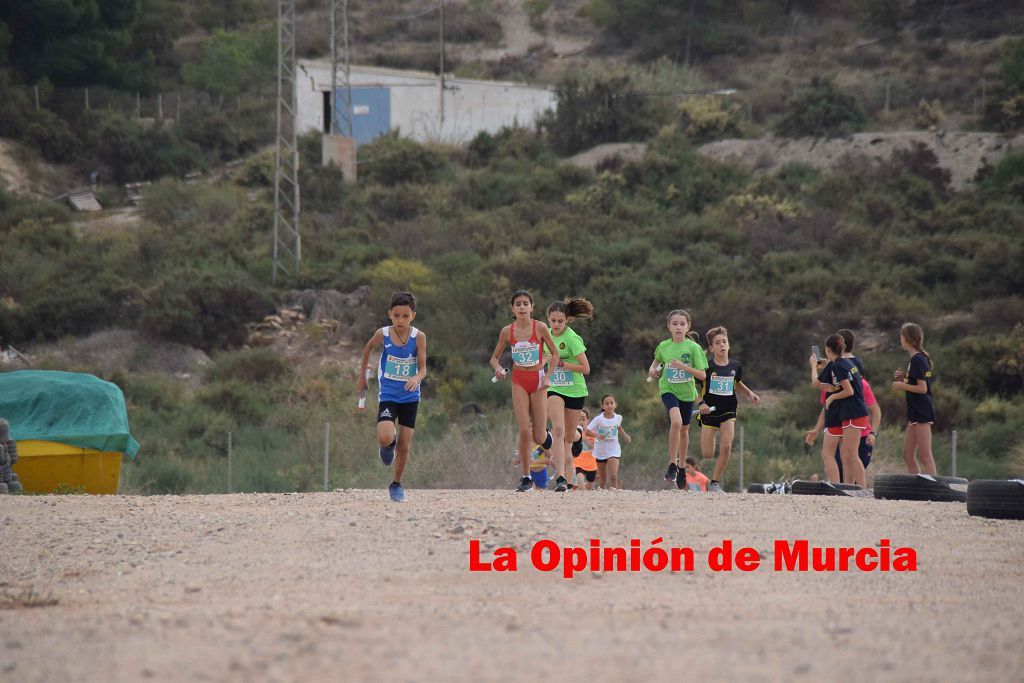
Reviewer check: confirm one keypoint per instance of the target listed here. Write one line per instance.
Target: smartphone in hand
(817, 353)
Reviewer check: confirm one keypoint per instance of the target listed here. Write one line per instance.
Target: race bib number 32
(526, 354)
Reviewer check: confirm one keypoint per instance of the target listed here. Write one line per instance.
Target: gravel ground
(348, 586)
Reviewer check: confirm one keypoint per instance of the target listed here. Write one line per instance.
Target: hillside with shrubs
(781, 259)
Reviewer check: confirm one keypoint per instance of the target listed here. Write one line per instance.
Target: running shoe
(672, 472)
(396, 492)
(561, 485)
(715, 487)
(387, 453)
(525, 484)
(681, 478)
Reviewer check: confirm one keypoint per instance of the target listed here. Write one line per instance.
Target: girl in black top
(917, 383)
(846, 414)
(723, 379)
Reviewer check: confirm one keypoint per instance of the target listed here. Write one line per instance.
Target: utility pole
(287, 241)
(339, 8)
(441, 3)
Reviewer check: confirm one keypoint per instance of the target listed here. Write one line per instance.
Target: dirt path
(518, 37)
(347, 586)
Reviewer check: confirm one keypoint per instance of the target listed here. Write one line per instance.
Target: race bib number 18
(399, 369)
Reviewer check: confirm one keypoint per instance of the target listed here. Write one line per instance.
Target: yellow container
(45, 466)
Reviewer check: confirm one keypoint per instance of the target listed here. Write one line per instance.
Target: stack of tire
(920, 487)
(997, 498)
(9, 482)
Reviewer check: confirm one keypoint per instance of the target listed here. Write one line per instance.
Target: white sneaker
(715, 487)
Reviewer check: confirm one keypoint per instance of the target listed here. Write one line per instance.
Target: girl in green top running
(683, 361)
(568, 390)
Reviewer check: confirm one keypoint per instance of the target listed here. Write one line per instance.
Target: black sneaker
(561, 485)
(672, 472)
(681, 478)
(525, 484)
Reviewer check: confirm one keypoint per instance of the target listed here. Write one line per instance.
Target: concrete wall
(470, 106)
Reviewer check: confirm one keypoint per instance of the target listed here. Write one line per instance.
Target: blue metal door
(371, 113)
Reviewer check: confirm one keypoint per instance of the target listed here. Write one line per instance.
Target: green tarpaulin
(67, 407)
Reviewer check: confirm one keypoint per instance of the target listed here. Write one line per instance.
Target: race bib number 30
(399, 369)
(721, 386)
(526, 354)
(562, 378)
(676, 376)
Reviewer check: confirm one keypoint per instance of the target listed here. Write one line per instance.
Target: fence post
(160, 107)
(87, 99)
(327, 451)
(138, 105)
(229, 463)
(954, 453)
(742, 487)
(35, 88)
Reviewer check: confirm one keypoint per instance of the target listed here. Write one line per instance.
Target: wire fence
(472, 452)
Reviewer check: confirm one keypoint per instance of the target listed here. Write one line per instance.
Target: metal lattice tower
(340, 80)
(287, 241)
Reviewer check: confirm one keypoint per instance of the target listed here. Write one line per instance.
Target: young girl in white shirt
(605, 429)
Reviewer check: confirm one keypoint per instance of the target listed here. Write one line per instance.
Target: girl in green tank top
(568, 390)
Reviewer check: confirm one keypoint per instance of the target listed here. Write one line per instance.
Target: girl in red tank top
(529, 380)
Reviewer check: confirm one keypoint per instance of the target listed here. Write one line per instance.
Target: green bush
(249, 366)
(605, 109)
(709, 118)
(820, 109)
(392, 159)
(1006, 177)
(203, 309)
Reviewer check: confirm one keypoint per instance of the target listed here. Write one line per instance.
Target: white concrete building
(386, 99)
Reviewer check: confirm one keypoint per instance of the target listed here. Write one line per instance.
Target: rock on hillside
(962, 154)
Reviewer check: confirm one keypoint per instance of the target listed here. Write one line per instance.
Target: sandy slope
(347, 586)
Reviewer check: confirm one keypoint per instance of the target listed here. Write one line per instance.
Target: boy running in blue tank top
(402, 366)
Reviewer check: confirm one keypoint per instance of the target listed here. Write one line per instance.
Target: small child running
(718, 405)
(695, 479)
(402, 367)
(605, 429)
(539, 460)
(584, 462)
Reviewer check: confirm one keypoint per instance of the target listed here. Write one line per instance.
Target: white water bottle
(657, 369)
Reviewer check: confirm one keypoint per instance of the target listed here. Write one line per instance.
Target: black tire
(918, 487)
(950, 480)
(12, 451)
(756, 488)
(998, 498)
(821, 488)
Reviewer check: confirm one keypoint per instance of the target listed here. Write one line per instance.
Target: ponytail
(914, 335)
(575, 308)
